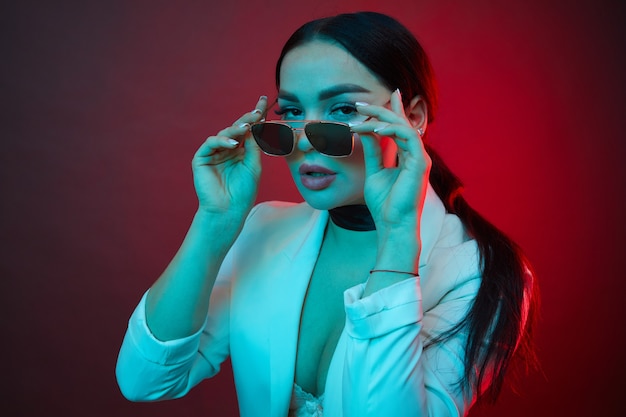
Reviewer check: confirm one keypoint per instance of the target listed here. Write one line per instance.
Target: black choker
(355, 217)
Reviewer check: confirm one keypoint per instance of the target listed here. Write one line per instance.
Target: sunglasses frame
(305, 123)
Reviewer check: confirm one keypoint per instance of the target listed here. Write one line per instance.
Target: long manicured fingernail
(398, 92)
(361, 103)
(232, 142)
(244, 125)
(256, 111)
(381, 127)
(263, 98)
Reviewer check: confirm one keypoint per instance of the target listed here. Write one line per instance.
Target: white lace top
(304, 404)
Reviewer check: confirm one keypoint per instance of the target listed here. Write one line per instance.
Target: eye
(288, 113)
(343, 111)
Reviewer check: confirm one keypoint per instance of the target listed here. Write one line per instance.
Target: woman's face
(322, 81)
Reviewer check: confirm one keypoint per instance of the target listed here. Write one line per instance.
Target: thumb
(372, 154)
(252, 155)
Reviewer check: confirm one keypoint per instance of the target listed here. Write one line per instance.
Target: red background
(104, 104)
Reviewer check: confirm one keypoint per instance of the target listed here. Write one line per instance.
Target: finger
(393, 115)
(370, 126)
(261, 104)
(216, 143)
(216, 150)
(380, 113)
(401, 134)
(223, 146)
(218, 157)
(237, 132)
(252, 155)
(241, 127)
(260, 109)
(396, 103)
(405, 136)
(372, 154)
(252, 116)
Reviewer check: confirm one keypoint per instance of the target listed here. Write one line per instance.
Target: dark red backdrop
(104, 103)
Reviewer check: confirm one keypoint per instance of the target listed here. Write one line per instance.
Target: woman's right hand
(227, 167)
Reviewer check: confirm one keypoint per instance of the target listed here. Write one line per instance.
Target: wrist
(229, 217)
(383, 278)
(220, 229)
(405, 231)
(398, 251)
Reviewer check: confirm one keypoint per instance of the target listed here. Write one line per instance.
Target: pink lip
(315, 177)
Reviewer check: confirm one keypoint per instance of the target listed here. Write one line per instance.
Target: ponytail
(500, 322)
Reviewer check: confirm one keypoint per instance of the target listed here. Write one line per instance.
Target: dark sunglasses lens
(273, 138)
(332, 139)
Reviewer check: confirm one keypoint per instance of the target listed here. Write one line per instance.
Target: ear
(417, 113)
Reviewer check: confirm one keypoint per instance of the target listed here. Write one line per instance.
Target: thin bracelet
(394, 271)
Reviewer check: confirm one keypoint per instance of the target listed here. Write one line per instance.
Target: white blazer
(382, 365)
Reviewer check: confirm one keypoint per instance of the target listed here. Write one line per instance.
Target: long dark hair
(500, 322)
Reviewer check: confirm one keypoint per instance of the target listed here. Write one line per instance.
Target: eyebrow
(327, 93)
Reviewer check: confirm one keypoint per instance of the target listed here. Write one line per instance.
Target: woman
(382, 294)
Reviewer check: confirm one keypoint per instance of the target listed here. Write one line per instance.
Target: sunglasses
(278, 138)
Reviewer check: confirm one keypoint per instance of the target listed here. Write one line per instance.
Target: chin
(327, 199)
(339, 193)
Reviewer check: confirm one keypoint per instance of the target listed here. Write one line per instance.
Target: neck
(350, 240)
(355, 217)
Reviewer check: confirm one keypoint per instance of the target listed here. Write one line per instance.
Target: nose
(302, 142)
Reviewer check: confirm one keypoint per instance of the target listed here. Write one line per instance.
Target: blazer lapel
(291, 287)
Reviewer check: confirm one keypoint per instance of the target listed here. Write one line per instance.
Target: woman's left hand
(394, 195)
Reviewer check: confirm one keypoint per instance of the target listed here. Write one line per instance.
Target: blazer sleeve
(387, 368)
(149, 369)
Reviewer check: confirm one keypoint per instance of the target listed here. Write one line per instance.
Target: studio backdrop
(105, 102)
